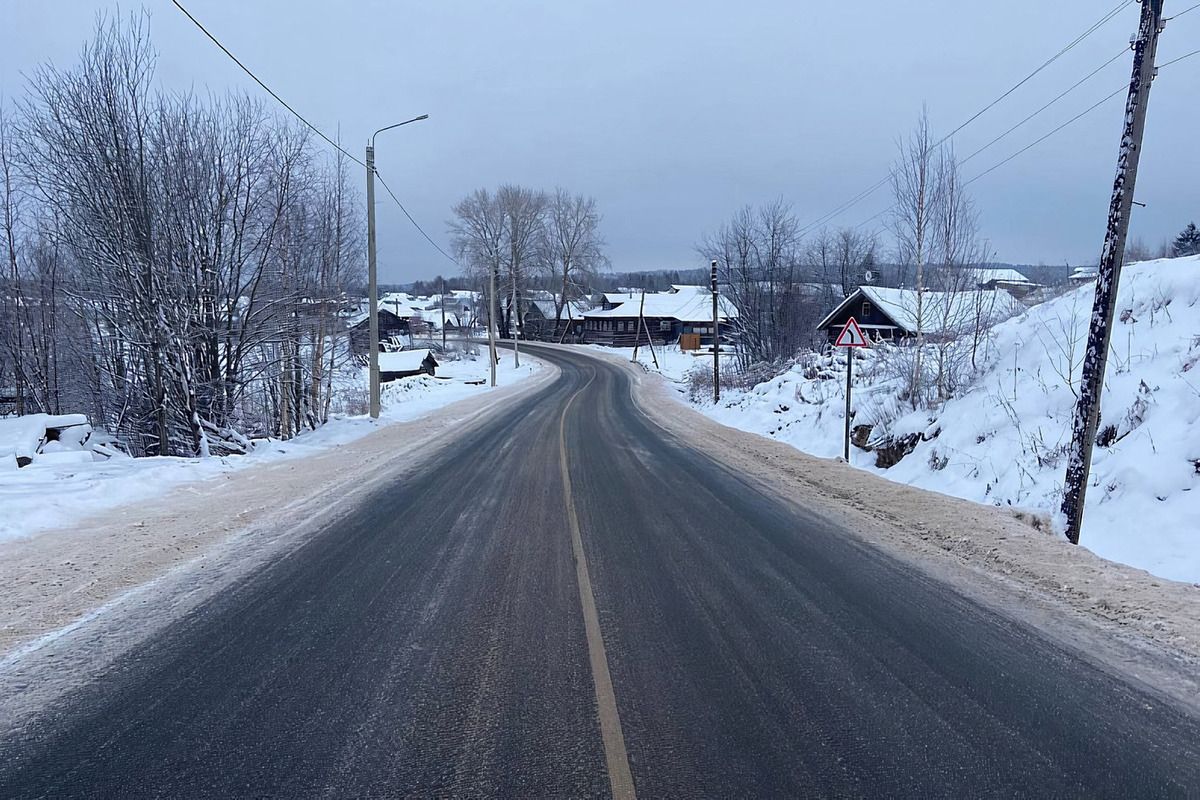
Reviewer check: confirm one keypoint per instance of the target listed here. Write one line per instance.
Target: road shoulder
(171, 553)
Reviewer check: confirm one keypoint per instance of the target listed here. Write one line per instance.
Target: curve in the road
(436, 642)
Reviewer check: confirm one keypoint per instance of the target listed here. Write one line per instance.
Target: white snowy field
(1003, 440)
(59, 490)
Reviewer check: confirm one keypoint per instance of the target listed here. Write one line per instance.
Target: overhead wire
(266, 88)
(311, 127)
(1070, 46)
(1038, 141)
(1181, 13)
(392, 194)
(1043, 108)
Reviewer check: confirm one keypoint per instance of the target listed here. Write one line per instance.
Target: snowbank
(64, 484)
(1003, 440)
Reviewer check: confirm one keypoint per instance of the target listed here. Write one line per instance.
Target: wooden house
(664, 318)
(884, 313)
(390, 326)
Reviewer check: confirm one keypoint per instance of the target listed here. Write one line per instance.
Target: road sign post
(850, 337)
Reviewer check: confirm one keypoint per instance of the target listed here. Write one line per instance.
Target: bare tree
(198, 250)
(573, 249)
(525, 212)
(758, 254)
(479, 234)
(916, 192)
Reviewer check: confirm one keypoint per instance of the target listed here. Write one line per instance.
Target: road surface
(571, 602)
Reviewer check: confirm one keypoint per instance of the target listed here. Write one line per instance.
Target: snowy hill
(1002, 440)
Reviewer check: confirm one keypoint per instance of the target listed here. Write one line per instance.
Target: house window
(866, 310)
(664, 324)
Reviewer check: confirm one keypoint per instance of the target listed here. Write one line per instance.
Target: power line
(266, 88)
(410, 219)
(1048, 135)
(312, 127)
(875, 187)
(1077, 116)
(1181, 58)
(1181, 13)
(1095, 27)
(1043, 108)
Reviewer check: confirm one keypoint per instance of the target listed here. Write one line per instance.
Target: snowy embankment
(64, 484)
(1003, 439)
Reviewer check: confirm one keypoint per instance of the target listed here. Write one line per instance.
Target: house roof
(1005, 275)
(686, 306)
(576, 309)
(616, 298)
(940, 311)
(404, 361)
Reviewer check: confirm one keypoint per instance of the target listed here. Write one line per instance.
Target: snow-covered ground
(64, 487)
(1003, 440)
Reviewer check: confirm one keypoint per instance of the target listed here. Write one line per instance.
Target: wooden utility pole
(637, 336)
(514, 314)
(642, 326)
(1087, 412)
(716, 339)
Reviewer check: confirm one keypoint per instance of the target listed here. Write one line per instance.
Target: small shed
(406, 363)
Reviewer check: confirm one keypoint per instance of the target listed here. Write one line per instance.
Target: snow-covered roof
(1085, 273)
(573, 310)
(404, 361)
(940, 311)
(683, 287)
(616, 298)
(686, 306)
(1004, 275)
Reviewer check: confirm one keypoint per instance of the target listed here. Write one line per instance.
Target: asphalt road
(439, 641)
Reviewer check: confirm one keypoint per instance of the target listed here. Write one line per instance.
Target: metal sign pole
(849, 383)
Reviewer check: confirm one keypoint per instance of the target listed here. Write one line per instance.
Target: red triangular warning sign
(851, 336)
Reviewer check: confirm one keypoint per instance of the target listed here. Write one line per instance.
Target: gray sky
(675, 114)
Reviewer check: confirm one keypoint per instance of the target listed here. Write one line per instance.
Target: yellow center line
(620, 779)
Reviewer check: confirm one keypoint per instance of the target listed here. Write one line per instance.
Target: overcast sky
(675, 114)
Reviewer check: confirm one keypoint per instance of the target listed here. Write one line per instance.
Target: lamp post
(372, 282)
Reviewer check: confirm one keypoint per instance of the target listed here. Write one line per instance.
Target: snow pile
(1003, 439)
(57, 489)
(45, 438)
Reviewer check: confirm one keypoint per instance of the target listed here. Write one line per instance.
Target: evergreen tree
(1187, 243)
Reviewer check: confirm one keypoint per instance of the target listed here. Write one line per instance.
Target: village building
(665, 318)
(391, 327)
(1007, 279)
(884, 313)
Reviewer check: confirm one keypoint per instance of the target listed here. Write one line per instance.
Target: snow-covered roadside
(1002, 442)
(53, 493)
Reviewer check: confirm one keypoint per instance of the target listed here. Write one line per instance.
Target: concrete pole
(1087, 412)
(716, 339)
(443, 315)
(372, 284)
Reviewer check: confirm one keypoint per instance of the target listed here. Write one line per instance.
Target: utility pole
(716, 339)
(1087, 412)
(515, 315)
(443, 295)
(372, 282)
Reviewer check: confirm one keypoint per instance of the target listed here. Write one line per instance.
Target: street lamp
(372, 283)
